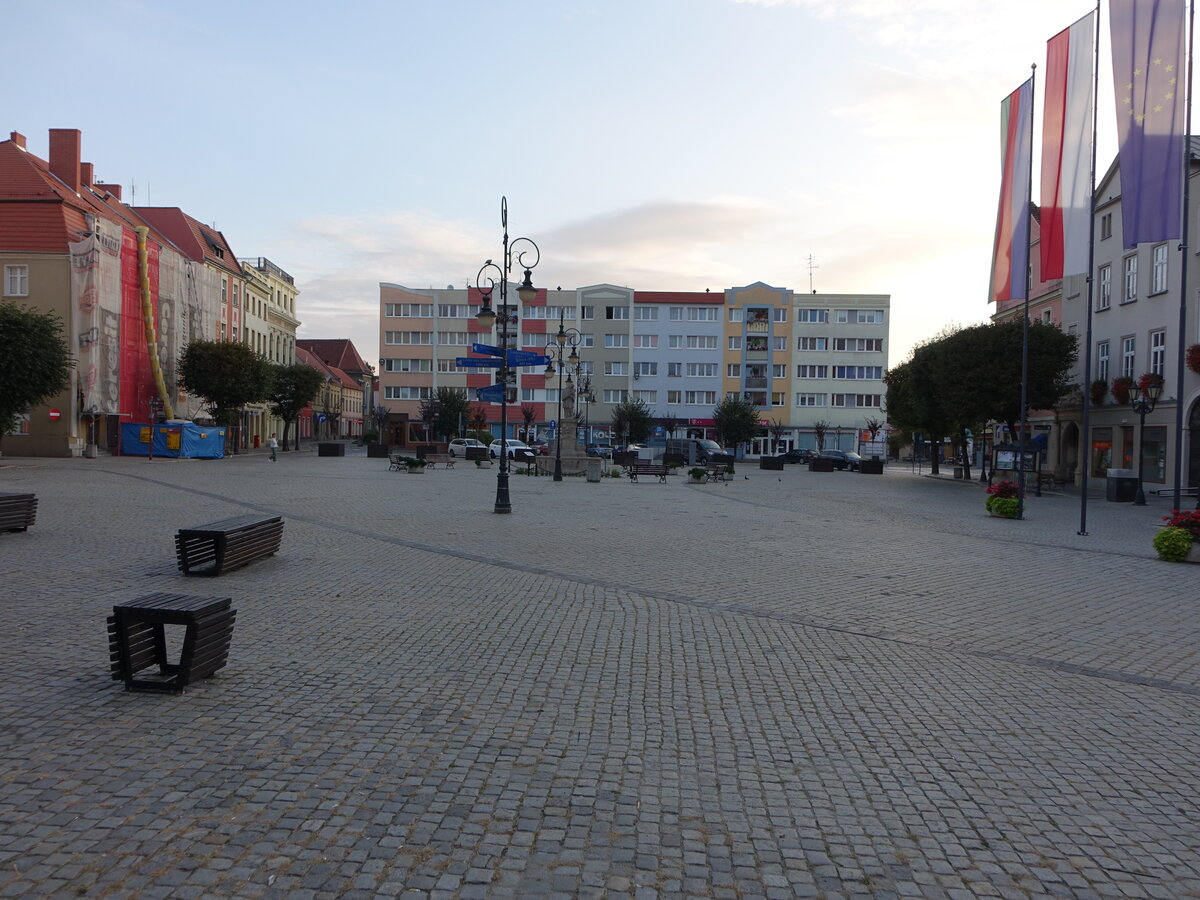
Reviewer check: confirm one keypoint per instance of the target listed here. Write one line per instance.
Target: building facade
(808, 362)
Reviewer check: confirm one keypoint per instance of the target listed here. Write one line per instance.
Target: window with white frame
(645, 369)
(778, 398)
(812, 343)
(735, 342)
(616, 368)
(453, 338)
(674, 370)
(408, 310)
(674, 397)
(407, 392)
(407, 337)
(646, 313)
(1106, 226)
(675, 313)
(1104, 301)
(702, 342)
(859, 401)
(587, 312)
(702, 314)
(1046, 314)
(645, 341)
(455, 311)
(1102, 361)
(702, 370)
(616, 396)
(648, 397)
(675, 341)
(869, 372)
(733, 370)
(616, 312)
(812, 316)
(700, 398)
(810, 399)
(735, 314)
(779, 342)
(858, 316)
(812, 371)
(407, 365)
(1158, 270)
(1158, 352)
(616, 340)
(587, 340)
(858, 345)
(778, 370)
(1128, 356)
(1130, 280)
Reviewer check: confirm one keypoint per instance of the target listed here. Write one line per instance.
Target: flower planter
(993, 513)
(819, 464)
(416, 470)
(871, 467)
(697, 479)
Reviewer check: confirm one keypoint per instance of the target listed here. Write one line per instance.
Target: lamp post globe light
(486, 280)
(566, 338)
(1143, 396)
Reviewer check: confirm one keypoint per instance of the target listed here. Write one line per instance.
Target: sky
(842, 146)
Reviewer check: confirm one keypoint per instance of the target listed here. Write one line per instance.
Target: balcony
(756, 381)
(758, 398)
(758, 327)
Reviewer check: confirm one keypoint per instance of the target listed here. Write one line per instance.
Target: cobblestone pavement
(795, 684)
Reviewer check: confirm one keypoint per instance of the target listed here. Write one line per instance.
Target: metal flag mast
(1183, 252)
(1085, 440)
(1025, 314)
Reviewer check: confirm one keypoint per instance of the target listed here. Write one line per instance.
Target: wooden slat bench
(227, 544)
(433, 460)
(137, 640)
(396, 463)
(716, 471)
(644, 468)
(17, 511)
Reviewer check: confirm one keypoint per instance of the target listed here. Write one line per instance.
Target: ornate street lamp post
(566, 337)
(1142, 399)
(487, 317)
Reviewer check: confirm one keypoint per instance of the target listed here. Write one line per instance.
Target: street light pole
(1143, 395)
(487, 317)
(566, 337)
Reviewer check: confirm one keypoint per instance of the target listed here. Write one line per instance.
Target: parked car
(494, 448)
(842, 459)
(602, 450)
(540, 446)
(797, 455)
(458, 446)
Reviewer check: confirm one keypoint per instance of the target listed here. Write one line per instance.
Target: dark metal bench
(137, 640)
(433, 460)
(227, 544)
(17, 511)
(716, 472)
(658, 469)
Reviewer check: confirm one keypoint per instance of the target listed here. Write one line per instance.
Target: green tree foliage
(631, 421)
(294, 388)
(735, 420)
(226, 375)
(37, 361)
(452, 412)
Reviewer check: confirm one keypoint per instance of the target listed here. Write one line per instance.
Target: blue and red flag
(1010, 253)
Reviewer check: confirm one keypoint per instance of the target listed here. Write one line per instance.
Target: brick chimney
(86, 173)
(65, 151)
(17, 138)
(114, 189)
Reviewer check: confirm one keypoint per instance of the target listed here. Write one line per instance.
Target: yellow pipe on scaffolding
(148, 321)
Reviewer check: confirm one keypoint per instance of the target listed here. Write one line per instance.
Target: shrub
(1172, 544)
(1187, 519)
(1003, 506)
(1003, 489)
(698, 473)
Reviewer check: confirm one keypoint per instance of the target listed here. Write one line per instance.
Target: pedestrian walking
(273, 444)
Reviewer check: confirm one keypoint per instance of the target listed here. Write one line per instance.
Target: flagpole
(1085, 439)
(1025, 323)
(1183, 247)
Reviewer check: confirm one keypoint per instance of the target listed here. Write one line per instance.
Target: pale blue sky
(659, 144)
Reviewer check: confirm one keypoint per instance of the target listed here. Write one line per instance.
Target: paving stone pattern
(796, 684)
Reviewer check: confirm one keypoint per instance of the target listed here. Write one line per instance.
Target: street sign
(54, 414)
(487, 348)
(526, 358)
(471, 362)
(493, 393)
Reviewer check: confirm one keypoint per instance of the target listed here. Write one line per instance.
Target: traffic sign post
(526, 358)
(471, 362)
(486, 349)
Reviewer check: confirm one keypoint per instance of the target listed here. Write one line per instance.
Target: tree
(451, 412)
(669, 425)
(478, 420)
(631, 421)
(777, 430)
(379, 419)
(332, 403)
(735, 420)
(226, 375)
(528, 416)
(820, 429)
(37, 361)
(295, 387)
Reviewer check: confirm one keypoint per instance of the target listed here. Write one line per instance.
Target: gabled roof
(346, 380)
(313, 362)
(338, 352)
(194, 239)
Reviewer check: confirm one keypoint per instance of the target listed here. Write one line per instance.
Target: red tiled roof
(313, 362)
(193, 238)
(678, 297)
(346, 380)
(338, 352)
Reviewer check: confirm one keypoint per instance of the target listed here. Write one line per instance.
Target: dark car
(842, 459)
(796, 455)
(601, 450)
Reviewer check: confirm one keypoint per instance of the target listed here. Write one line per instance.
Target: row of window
(1128, 345)
(1129, 289)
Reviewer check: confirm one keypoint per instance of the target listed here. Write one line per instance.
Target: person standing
(273, 444)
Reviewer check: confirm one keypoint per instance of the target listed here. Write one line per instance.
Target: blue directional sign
(487, 348)
(526, 358)
(493, 393)
(470, 362)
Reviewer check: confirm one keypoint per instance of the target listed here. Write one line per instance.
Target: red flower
(1003, 489)
(1185, 518)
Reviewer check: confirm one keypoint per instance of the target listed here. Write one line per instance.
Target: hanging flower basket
(1193, 358)
(1098, 391)
(1120, 388)
(1145, 382)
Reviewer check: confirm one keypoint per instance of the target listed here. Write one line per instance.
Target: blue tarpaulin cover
(173, 439)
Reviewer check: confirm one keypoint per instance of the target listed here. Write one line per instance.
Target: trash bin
(1122, 486)
(594, 466)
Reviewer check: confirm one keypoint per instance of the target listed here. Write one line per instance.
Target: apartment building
(803, 360)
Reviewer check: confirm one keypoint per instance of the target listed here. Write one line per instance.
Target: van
(697, 451)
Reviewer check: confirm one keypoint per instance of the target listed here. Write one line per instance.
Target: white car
(458, 446)
(513, 447)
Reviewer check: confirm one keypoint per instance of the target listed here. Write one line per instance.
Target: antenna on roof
(812, 264)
